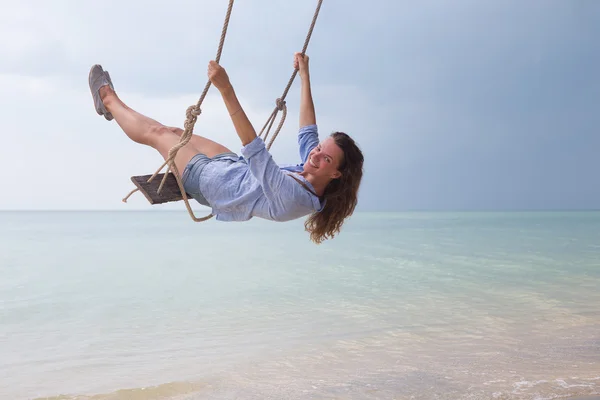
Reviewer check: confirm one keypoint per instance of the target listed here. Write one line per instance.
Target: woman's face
(325, 159)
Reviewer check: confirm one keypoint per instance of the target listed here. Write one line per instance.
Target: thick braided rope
(280, 102)
(192, 114)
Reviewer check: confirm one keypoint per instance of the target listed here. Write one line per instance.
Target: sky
(462, 105)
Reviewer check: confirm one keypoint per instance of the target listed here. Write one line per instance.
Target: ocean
(151, 305)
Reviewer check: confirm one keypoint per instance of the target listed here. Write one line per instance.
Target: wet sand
(584, 398)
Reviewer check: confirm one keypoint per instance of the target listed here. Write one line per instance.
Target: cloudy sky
(456, 105)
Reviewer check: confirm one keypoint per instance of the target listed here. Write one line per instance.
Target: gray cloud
(456, 105)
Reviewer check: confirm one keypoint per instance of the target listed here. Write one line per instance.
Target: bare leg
(145, 130)
(209, 147)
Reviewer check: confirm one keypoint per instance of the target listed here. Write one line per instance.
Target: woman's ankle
(106, 92)
(108, 96)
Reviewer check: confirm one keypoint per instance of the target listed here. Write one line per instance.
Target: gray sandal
(97, 79)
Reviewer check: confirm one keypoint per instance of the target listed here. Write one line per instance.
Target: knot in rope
(280, 104)
(193, 111)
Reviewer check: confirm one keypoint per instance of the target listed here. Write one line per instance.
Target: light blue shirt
(256, 186)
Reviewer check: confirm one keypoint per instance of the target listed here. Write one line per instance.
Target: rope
(280, 102)
(192, 114)
(194, 111)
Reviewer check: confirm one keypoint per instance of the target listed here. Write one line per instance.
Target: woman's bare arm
(307, 107)
(242, 124)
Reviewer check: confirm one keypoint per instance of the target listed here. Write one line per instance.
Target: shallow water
(149, 305)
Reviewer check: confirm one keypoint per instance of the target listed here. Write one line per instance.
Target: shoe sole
(107, 115)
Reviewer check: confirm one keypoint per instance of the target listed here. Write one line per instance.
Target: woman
(325, 185)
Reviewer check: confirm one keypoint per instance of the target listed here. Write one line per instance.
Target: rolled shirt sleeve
(308, 139)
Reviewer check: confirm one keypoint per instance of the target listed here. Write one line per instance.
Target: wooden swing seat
(169, 192)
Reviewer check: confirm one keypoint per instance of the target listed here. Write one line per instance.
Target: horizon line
(356, 212)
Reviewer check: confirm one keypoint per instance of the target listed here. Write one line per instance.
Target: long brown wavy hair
(341, 194)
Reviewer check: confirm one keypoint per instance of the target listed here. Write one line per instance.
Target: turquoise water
(150, 305)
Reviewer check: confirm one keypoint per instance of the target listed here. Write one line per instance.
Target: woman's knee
(177, 131)
(158, 132)
(159, 135)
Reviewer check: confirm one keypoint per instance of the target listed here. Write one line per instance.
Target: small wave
(556, 389)
(161, 392)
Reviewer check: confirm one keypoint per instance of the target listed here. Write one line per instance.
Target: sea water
(150, 305)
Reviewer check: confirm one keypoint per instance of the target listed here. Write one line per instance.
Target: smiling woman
(324, 185)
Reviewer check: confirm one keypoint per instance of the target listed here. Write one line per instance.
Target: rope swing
(194, 111)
